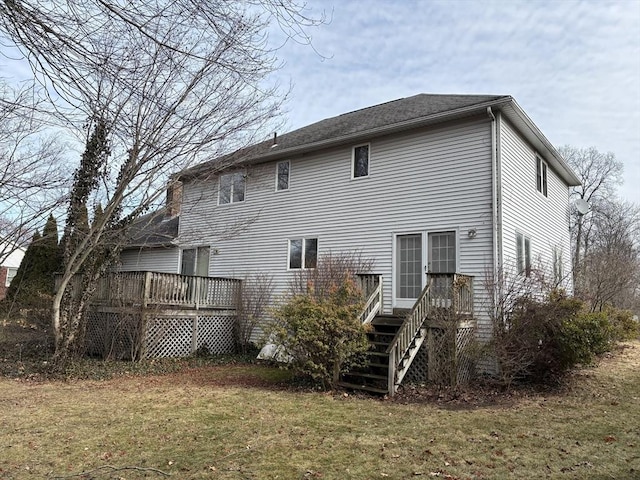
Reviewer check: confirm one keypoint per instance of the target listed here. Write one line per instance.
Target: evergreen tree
(21, 288)
(34, 280)
(49, 262)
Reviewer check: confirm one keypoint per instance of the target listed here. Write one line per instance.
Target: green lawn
(239, 422)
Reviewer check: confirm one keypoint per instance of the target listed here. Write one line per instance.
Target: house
(427, 186)
(10, 259)
(153, 240)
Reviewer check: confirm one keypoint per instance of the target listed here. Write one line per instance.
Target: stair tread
(367, 388)
(365, 375)
(386, 334)
(387, 320)
(378, 365)
(377, 354)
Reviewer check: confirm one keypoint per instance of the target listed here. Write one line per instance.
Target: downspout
(495, 227)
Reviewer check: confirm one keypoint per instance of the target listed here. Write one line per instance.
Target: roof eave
(380, 131)
(522, 121)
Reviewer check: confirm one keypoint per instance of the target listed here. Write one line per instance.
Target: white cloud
(574, 66)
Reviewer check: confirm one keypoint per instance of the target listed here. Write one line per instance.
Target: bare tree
(173, 82)
(600, 174)
(611, 266)
(606, 268)
(32, 174)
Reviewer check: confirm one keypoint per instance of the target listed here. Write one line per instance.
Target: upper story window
(360, 164)
(541, 176)
(232, 187)
(303, 253)
(523, 254)
(282, 175)
(11, 273)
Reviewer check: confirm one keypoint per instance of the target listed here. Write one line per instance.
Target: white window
(558, 272)
(442, 252)
(541, 176)
(360, 163)
(11, 273)
(282, 175)
(303, 253)
(523, 253)
(231, 188)
(195, 261)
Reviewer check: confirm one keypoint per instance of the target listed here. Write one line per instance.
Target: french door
(416, 255)
(410, 269)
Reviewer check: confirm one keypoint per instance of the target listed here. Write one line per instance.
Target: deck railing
(371, 286)
(451, 291)
(148, 289)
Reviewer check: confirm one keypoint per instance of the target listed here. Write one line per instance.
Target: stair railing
(372, 288)
(408, 331)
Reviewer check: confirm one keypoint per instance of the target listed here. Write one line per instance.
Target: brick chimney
(174, 198)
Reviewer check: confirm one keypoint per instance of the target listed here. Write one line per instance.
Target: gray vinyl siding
(164, 260)
(544, 219)
(428, 180)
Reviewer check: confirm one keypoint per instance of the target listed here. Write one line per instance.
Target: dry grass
(239, 422)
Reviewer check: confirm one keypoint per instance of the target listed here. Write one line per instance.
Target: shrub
(257, 291)
(322, 334)
(539, 341)
(623, 325)
(583, 336)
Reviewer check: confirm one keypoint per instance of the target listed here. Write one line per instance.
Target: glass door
(410, 269)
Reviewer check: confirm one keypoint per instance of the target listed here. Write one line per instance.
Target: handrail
(443, 290)
(373, 306)
(409, 328)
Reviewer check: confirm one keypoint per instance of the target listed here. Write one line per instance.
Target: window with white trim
(11, 273)
(558, 272)
(442, 252)
(541, 176)
(195, 261)
(282, 175)
(360, 161)
(303, 253)
(523, 254)
(232, 186)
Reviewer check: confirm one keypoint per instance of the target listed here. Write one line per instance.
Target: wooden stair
(373, 377)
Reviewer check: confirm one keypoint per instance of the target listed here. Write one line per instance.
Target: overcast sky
(573, 66)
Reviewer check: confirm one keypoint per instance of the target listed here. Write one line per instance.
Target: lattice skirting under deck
(443, 360)
(133, 334)
(180, 336)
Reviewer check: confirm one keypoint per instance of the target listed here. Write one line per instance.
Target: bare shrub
(257, 293)
(332, 269)
(540, 334)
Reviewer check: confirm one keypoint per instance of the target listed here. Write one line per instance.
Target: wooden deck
(153, 289)
(137, 315)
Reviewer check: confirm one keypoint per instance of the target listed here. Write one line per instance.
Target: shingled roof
(359, 122)
(383, 119)
(155, 229)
